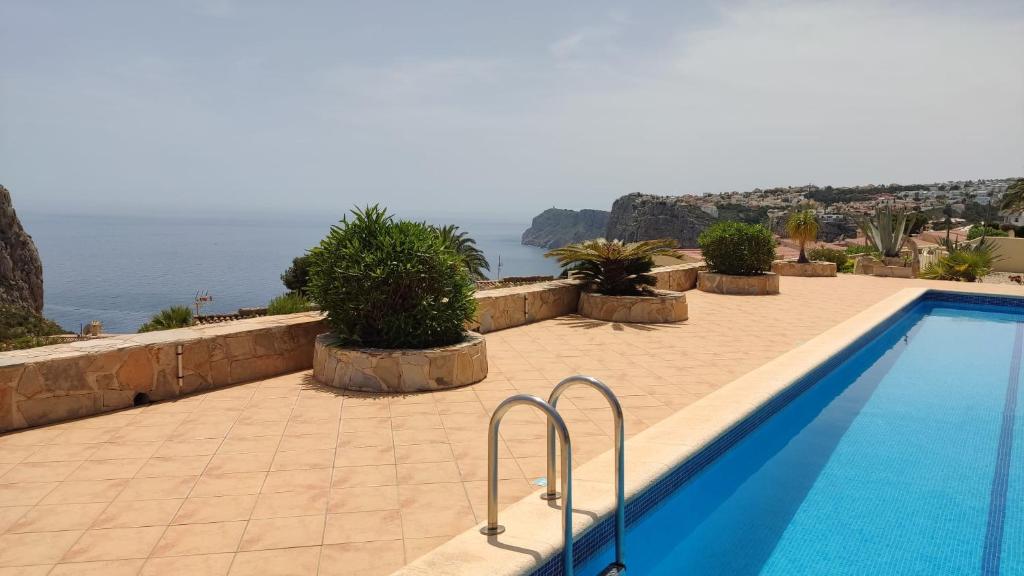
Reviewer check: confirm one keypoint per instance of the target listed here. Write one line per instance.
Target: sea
(121, 270)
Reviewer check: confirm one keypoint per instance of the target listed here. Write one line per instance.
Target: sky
(215, 106)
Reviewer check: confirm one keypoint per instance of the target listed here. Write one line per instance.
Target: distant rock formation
(646, 217)
(21, 271)
(555, 227)
(831, 228)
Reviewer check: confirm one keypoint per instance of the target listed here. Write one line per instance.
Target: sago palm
(802, 226)
(474, 259)
(612, 267)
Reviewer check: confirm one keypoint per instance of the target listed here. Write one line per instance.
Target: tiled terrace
(284, 477)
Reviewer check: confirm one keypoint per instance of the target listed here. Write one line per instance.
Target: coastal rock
(555, 227)
(646, 217)
(21, 271)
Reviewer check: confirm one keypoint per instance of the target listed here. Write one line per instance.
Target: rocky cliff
(645, 217)
(555, 227)
(21, 272)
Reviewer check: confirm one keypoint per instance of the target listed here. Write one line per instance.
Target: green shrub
(613, 267)
(962, 263)
(23, 328)
(737, 248)
(837, 257)
(389, 283)
(979, 231)
(296, 277)
(858, 249)
(168, 319)
(288, 303)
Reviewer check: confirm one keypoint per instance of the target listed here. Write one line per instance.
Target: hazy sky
(498, 107)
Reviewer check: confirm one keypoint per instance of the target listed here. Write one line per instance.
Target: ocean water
(122, 269)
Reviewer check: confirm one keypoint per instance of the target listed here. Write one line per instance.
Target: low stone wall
(400, 371)
(807, 269)
(762, 284)
(55, 383)
(508, 307)
(664, 308)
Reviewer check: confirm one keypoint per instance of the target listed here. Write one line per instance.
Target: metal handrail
(620, 459)
(555, 425)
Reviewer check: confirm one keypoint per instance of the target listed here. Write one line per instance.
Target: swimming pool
(901, 455)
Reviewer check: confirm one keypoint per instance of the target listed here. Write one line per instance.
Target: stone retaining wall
(54, 383)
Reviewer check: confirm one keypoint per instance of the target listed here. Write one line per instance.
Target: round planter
(401, 370)
(662, 308)
(767, 283)
(808, 269)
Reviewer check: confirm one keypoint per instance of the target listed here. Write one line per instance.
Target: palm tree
(168, 318)
(802, 226)
(474, 259)
(612, 267)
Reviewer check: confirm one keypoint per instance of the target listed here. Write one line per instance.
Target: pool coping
(533, 536)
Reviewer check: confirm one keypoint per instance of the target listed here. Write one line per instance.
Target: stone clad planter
(762, 284)
(665, 307)
(809, 269)
(402, 370)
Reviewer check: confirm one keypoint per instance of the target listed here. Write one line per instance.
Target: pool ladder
(556, 426)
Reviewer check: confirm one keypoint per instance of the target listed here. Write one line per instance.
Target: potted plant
(802, 227)
(887, 231)
(396, 295)
(616, 282)
(739, 258)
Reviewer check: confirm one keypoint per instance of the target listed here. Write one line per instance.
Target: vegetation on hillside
(390, 283)
(296, 277)
(979, 231)
(169, 319)
(23, 328)
(613, 267)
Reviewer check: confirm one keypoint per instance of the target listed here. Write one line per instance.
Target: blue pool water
(905, 458)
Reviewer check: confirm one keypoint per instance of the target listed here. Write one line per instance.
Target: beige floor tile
(38, 570)
(365, 456)
(173, 466)
(158, 488)
(125, 450)
(58, 517)
(280, 562)
(416, 547)
(428, 473)
(199, 565)
(235, 484)
(108, 469)
(363, 527)
(138, 513)
(83, 491)
(234, 463)
(291, 532)
(114, 544)
(62, 453)
(199, 510)
(363, 499)
(39, 472)
(297, 480)
(9, 515)
(282, 504)
(354, 476)
(364, 558)
(35, 547)
(100, 568)
(188, 448)
(416, 453)
(192, 539)
(303, 459)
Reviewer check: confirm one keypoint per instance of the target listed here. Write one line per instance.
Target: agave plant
(612, 267)
(887, 231)
(168, 318)
(802, 226)
(963, 262)
(474, 259)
